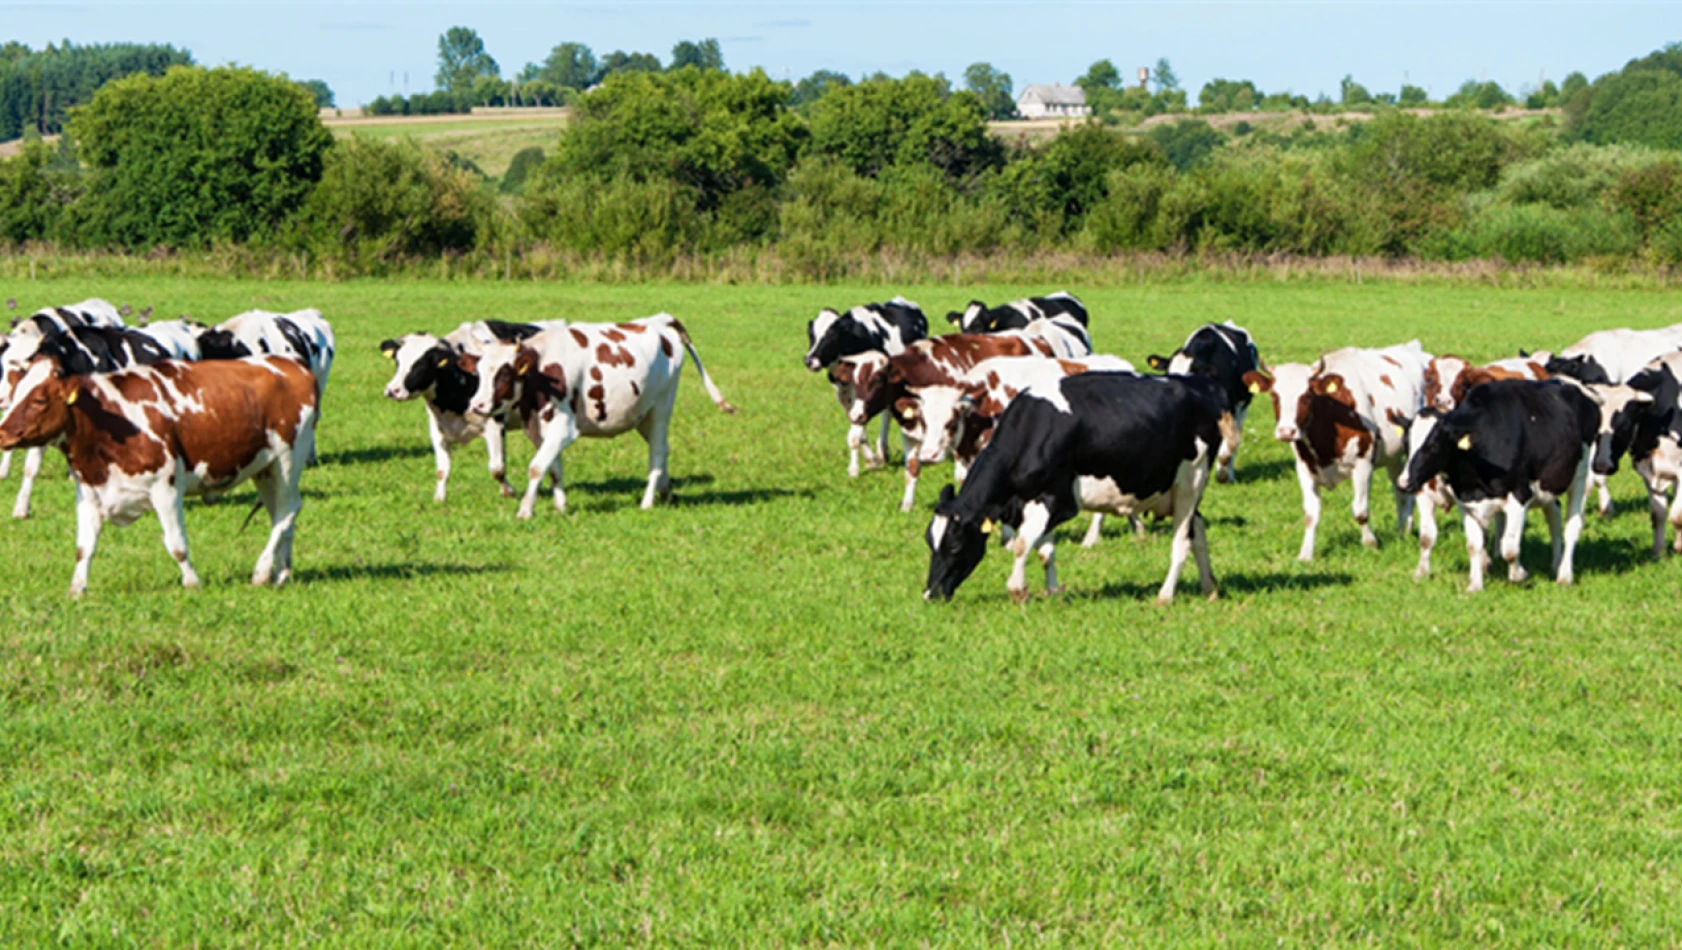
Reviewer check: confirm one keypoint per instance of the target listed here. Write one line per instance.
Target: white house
(1052, 102)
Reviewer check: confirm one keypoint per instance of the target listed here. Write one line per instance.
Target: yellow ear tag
(1401, 429)
(987, 526)
(1331, 388)
(522, 370)
(70, 400)
(443, 362)
(1465, 442)
(1255, 389)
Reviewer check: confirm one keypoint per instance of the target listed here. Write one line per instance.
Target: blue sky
(364, 49)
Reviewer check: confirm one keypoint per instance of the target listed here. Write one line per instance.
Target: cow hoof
(1564, 582)
(77, 592)
(1213, 595)
(1421, 574)
(1370, 543)
(1163, 600)
(1057, 591)
(1020, 595)
(21, 515)
(852, 471)
(507, 492)
(524, 514)
(1223, 477)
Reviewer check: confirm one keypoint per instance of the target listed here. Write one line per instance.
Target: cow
(1339, 416)
(1643, 418)
(80, 349)
(18, 348)
(956, 416)
(977, 317)
(143, 438)
(886, 328)
(596, 380)
(429, 367)
(180, 338)
(1224, 352)
(1508, 446)
(1609, 357)
(850, 376)
(92, 312)
(302, 335)
(1112, 442)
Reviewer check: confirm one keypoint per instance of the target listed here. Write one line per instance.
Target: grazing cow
(81, 349)
(180, 338)
(980, 318)
(143, 438)
(1643, 417)
(430, 367)
(1224, 352)
(1339, 417)
(18, 348)
(1510, 445)
(886, 328)
(851, 376)
(596, 380)
(92, 312)
(303, 335)
(1111, 442)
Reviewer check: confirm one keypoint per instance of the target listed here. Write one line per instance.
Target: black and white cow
(81, 350)
(431, 368)
(1223, 352)
(1111, 442)
(179, 337)
(980, 318)
(302, 335)
(886, 328)
(1643, 418)
(18, 347)
(1508, 446)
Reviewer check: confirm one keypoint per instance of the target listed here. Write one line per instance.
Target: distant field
(490, 139)
(733, 721)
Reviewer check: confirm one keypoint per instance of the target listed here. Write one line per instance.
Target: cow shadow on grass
(374, 454)
(1228, 584)
(1265, 471)
(1598, 555)
(621, 493)
(401, 570)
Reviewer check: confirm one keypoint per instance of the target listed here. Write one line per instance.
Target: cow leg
(26, 488)
(1310, 509)
(855, 443)
(1036, 524)
(1427, 536)
(1362, 504)
(1475, 554)
(1512, 538)
(559, 433)
(882, 442)
(1095, 531)
(1550, 510)
(1574, 502)
(1185, 506)
(167, 502)
(655, 428)
(1676, 520)
(1605, 494)
(440, 454)
(1405, 503)
(89, 521)
(282, 505)
(1200, 548)
(496, 455)
(913, 468)
(5, 463)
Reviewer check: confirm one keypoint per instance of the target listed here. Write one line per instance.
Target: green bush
(1641, 104)
(524, 161)
(646, 220)
(1578, 176)
(1536, 233)
(196, 156)
(1187, 142)
(828, 216)
(883, 122)
(1652, 194)
(36, 188)
(1051, 188)
(384, 201)
(1129, 216)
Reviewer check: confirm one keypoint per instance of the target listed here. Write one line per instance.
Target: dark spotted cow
(1510, 445)
(1111, 442)
(302, 335)
(832, 337)
(1643, 418)
(595, 380)
(1224, 352)
(143, 438)
(980, 318)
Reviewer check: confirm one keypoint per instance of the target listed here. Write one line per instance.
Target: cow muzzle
(1285, 433)
(397, 393)
(813, 364)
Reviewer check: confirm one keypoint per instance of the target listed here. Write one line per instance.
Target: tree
(382, 200)
(1186, 142)
(462, 60)
(1100, 75)
(196, 156)
(993, 88)
(1544, 97)
(37, 89)
(1573, 84)
(1227, 95)
(1352, 93)
(570, 66)
(321, 91)
(1163, 76)
(702, 55)
(620, 61)
(815, 86)
(1479, 95)
(1412, 96)
(1641, 103)
(882, 123)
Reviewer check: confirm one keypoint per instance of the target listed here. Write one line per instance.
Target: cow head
(869, 378)
(221, 345)
(502, 369)
(940, 413)
(1622, 409)
(1445, 382)
(968, 318)
(420, 359)
(39, 412)
(1584, 369)
(1429, 449)
(823, 342)
(957, 542)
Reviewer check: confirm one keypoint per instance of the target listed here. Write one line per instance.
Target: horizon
(1382, 45)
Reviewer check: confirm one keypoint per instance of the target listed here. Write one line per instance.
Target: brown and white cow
(143, 438)
(1338, 415)
(595, 380)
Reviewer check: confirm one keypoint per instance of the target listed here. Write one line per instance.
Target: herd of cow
(1041, 429)
(1038, 426)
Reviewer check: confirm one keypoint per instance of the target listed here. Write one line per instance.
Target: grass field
(491, 143)
(734, 721)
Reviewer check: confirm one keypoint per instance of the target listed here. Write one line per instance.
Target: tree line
(657, 165)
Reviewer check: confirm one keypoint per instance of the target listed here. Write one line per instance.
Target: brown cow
(143, 438)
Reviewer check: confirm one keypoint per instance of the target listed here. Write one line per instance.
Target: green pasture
(489, 143)
(733, 721)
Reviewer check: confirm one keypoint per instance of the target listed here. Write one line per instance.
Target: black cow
(1223, 352)
(888, 327)
(1510, 445)
(1643, 417)
(84, 349)
(980, 318)
(1110, 442)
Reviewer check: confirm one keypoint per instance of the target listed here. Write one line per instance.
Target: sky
(366, 49)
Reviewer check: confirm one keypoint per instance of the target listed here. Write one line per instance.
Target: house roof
(1054, 95)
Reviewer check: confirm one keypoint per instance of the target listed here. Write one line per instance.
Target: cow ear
(1156, 362)
(1258, 382)
(389, 348)
(71, 397)
(525, 361)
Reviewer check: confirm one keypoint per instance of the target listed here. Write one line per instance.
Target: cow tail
(1230, 435)
(707, 381)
